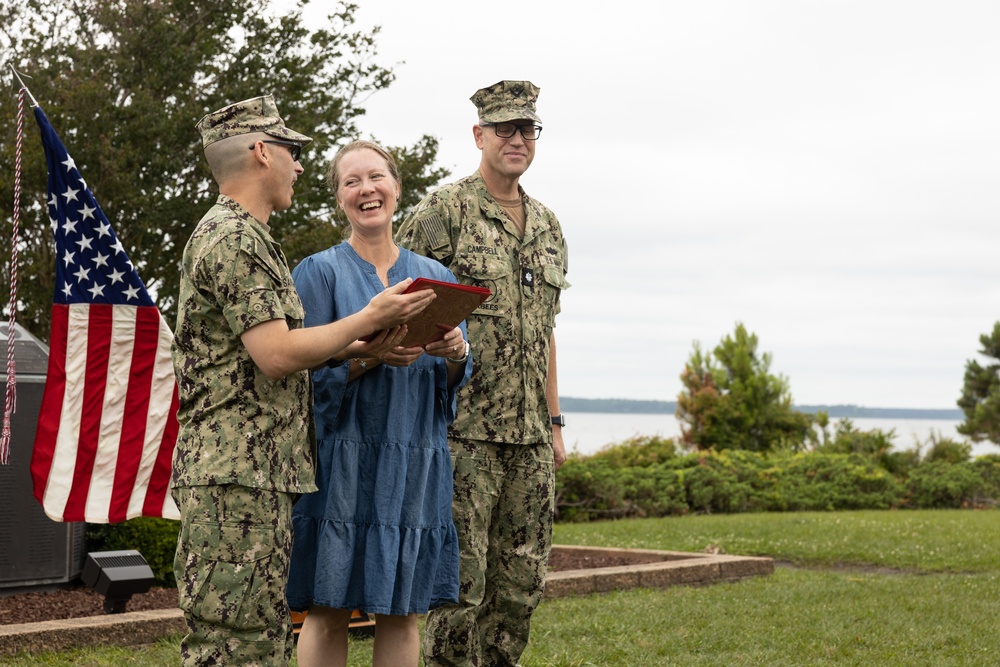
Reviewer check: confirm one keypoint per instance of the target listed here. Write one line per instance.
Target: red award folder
(453, 304)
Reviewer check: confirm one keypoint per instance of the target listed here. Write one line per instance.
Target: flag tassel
(10, 397)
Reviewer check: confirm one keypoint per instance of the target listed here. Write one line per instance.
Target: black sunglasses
(294, 147)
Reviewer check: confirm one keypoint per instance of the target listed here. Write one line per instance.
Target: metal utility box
(34, 549)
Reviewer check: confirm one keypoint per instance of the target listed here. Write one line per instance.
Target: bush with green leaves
(632, 478)
(939, 484)
(988, 469)
(648, 478)
(820, 481)
(155, 539)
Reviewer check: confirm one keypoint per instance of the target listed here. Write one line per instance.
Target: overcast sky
(826, 173)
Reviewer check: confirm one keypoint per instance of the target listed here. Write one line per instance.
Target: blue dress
(378, 535)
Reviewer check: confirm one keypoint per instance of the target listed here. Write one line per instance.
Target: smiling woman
(382, 412)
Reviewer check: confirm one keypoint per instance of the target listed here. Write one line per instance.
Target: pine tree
(980, 399)
(731, 400)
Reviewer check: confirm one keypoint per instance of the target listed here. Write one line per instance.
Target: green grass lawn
(863, 588)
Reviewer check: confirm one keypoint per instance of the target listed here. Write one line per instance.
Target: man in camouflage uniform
(245, 448)
(506, 441)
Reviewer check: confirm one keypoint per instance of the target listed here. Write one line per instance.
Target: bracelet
(464, 358)
(361, 362)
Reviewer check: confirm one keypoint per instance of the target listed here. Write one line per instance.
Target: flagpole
(17, 76)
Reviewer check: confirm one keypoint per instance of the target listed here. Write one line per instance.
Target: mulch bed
(81, 601)
(75, 602)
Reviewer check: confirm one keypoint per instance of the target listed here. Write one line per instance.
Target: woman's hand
(402, 356)
(452, 346)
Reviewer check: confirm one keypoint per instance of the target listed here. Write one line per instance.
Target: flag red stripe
(98, 349)
(52, 399)
(133, 427)
(159, 482)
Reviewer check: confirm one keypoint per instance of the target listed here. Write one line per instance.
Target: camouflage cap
(258, 114)
(506, 101)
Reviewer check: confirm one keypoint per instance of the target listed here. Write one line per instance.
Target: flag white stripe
(102, 479)
(60, 479)
(160, 397)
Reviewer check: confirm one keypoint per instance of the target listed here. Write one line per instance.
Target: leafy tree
(125, 81)
(980, 399)
(730, 400)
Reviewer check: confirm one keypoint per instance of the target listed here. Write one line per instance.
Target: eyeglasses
(507, 130)
(294, 147)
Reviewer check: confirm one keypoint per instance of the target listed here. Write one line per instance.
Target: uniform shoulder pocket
(554, 276)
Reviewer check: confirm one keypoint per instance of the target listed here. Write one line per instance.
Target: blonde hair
(333, 173)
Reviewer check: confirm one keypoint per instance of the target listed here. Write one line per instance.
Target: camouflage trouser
(502, 507)
(231, 568)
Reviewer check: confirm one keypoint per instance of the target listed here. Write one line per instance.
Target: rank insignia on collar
(527, 277)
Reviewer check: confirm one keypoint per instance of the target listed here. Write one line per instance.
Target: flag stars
(67, 290)
(84, 243)
(69, 258)
(117, 247)
(116, 276)
(69, 226)
(132, 293)
(71, 194)
(69, 163)
(87, 212)
(103, 229)
(100, 260)
(53, 201)
(96, 291)
(82, 274)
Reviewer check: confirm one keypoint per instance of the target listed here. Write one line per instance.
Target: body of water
(587, 432)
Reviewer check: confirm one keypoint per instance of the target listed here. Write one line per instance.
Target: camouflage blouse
(236, 425)
(462, 226)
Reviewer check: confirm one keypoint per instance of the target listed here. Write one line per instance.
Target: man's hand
(391, 307)
(383, 342)
(558, 447)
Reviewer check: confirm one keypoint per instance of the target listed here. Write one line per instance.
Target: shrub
(947, 450)
(729, 481)
(943, 484)
(988, 469)
(647, 477)
(639, 451)
(155, 539)
(818, 481)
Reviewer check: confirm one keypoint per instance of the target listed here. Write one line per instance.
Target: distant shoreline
(630, 406)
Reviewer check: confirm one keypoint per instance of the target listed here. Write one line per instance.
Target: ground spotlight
(117, 575)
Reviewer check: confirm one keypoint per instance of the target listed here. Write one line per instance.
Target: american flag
(108, 420)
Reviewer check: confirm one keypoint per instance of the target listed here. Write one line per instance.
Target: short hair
(229, 157)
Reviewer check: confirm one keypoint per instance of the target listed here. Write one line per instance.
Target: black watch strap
(559, 420)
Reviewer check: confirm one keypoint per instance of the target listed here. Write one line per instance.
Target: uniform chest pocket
(268, 260)
(551, 285)
(496, 276)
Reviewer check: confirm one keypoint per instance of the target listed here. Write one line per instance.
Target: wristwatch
(559, 420)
